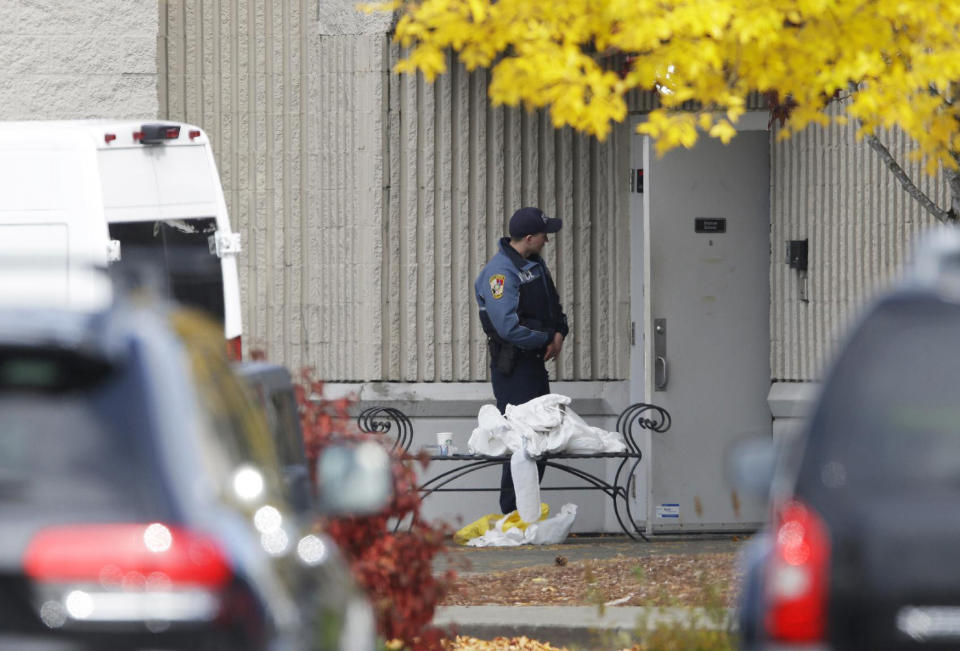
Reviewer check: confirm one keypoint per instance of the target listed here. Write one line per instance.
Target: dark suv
(865, 527)
(273, 390)
(141, 499)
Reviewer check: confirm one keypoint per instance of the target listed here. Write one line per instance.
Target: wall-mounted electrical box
(797, 254)
(797, 259)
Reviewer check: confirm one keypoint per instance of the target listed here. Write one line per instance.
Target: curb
(581, 626)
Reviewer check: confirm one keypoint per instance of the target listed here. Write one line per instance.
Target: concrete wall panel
(236, 68)
(346, 204)
(72, 60)
(368, 202)
(464, 167)
(832, 189)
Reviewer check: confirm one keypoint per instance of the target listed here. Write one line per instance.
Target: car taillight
(235, 348)
(125, 572)
(797, 575)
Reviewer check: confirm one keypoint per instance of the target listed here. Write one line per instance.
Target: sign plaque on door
(709, 224)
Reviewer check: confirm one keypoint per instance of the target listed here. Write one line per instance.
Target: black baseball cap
(530, 221)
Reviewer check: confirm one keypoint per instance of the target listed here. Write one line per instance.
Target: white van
(92, 192)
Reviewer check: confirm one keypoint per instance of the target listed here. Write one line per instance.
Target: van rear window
(178, 252)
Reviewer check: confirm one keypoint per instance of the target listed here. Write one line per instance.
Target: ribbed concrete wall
(344, 259)
(833, 190)
(238, 69)
(457, 171)
(72, 59)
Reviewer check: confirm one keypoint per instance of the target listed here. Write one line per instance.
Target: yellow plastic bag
(476, 528)
(513, 520)
(480, 526)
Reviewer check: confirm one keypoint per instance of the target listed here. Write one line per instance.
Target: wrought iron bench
(393, 423)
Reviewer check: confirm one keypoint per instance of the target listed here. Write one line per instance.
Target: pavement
(582, 627)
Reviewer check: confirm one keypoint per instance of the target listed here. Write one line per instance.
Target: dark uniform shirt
(518, 301)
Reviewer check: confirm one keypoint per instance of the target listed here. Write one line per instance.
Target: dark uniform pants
(528, 380)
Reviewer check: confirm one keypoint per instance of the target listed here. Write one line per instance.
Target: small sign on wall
(710, 225)
(668, 511)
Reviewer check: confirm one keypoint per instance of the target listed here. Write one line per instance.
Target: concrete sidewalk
(576, 626)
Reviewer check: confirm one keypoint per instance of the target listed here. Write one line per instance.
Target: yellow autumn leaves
(898, 61)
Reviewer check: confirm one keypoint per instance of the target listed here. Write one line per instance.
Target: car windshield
(890, 413)
(67, 438)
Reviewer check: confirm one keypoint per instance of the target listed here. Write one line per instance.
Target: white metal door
(707, 255)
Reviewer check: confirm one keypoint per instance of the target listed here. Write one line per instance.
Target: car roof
(94, 129)
(97, 333)
(60, 327)
(271, 376)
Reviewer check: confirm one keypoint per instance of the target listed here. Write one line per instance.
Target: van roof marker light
(194, 134)
(109, 137)
(156, 134)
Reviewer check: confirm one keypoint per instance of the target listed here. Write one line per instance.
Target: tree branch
(936, 93)
(953, 182)
(946, 216)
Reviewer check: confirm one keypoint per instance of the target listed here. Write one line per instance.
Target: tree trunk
(953, 180)
(952, 176)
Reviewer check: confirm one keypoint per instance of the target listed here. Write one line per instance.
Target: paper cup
(445, 441)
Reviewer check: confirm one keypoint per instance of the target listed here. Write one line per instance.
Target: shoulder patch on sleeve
(496, 285)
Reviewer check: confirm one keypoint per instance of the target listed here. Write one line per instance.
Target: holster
(504, 355)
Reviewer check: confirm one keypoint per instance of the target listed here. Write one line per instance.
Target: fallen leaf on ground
(462, 643)
(667, 580)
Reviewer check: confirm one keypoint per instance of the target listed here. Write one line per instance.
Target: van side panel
(52, 232)
(43, 249)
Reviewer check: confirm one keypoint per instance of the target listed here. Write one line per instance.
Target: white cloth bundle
(544, 424)
(528, 431)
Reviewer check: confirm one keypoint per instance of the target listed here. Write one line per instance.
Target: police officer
(522, 317)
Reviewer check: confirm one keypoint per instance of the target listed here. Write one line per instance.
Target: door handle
(661, 381)
(660, 376)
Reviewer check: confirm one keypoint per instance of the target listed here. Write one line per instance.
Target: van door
(178, 252)
(165, 205)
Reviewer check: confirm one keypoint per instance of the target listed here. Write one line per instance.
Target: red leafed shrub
(393, 567)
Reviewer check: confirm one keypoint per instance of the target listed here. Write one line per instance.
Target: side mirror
(751, 465)
(353, 480)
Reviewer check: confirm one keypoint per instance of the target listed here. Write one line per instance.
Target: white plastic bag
(539, 422)
(554, 530)
(586, 439)
(496, 537)
(543, 413)
(492, 434)
(526, 485)
(547, 424)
